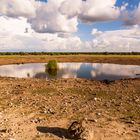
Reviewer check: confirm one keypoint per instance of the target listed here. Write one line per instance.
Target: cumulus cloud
(62, 16)
(133, 18)
(9, 25)
(96, 32)
(14, 38)
(17, 8)
(36, 43)
(59, 16)
(90, 11)
(71, 8)
(49, 19)
(118, 41)
(110, 41)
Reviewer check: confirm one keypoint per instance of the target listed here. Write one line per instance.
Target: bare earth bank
(36, 109)
(117, 59)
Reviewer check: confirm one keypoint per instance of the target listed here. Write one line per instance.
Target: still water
(93, 71)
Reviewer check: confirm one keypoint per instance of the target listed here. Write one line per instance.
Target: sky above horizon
(70, 25)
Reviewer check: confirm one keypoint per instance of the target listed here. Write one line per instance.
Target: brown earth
(36, 109)
(117, 59)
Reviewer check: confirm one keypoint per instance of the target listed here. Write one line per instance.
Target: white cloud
(118, 40)
(59, 16)
(17, 8)
(14, 26)
(96, 32)
(71, 8)
(133, 17)
(124, 6)
(62, 16)
(49, 19)
(90, 11)
(14, 38)
(37, 42)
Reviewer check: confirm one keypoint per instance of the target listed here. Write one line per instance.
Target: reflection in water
(28, 75)
(85, 71)
(95, 71)
(51, 72)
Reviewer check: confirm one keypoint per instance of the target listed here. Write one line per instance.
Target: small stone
(93, 120)
(23, 114)
(3, 130)
(34, 120)
(75, 130)
(99, 114)
(136, 131)
(44, 112)
(130, 122)
(95, 99)
(51, 111)
(137, 100)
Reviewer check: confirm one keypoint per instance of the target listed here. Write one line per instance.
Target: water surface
(93, 71)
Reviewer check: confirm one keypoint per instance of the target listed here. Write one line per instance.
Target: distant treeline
(69, 53)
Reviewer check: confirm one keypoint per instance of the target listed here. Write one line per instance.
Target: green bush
(52, 65)
(52, 72)
(51, 68)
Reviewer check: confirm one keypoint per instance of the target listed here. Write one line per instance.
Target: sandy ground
(36, 109)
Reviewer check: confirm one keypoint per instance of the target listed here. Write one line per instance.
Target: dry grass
(118, 59)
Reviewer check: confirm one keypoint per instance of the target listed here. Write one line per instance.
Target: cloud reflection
(95, 71)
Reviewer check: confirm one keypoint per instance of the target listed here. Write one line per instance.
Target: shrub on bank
(52, 65)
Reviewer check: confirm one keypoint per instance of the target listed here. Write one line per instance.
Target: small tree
(52, 67)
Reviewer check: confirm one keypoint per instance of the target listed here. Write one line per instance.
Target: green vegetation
(52, 72)
(52, 67)
(69, 53)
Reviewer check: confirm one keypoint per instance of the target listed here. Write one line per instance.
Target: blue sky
(131, 3)
(84, 31)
